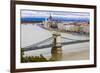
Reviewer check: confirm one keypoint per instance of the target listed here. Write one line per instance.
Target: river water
(31, 34)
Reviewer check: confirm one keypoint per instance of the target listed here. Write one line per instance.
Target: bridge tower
(56, 50)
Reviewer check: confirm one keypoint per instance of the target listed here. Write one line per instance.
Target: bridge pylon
(56, 50)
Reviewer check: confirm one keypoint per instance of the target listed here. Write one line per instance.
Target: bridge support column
(56, 47)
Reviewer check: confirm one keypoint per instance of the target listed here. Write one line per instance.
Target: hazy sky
(46, 14)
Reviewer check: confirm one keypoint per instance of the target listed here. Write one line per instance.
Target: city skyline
(38, 15)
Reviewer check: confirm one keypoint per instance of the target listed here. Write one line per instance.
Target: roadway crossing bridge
(49, 43)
